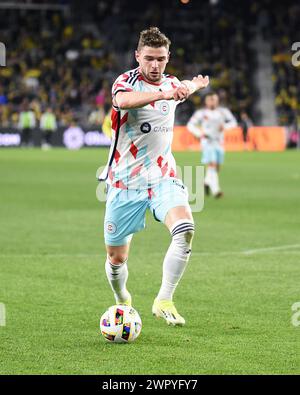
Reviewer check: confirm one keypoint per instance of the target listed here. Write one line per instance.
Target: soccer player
(208, 124)
(27, 123)
(141, 170)
(48, 126)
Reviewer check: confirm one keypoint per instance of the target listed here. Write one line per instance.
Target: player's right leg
(124, 216)
(117, 272)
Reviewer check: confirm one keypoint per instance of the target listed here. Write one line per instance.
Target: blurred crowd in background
(284, 20)
(64, 62)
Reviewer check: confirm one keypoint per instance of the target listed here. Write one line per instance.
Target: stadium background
(243, 278)
(66, 55)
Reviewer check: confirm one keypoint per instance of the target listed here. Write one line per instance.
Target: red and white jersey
(211, 121)
(140, 154)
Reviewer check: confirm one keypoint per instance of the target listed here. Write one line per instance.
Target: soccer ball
(120, 324)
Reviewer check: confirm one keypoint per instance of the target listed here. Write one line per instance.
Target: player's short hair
(154, 38)
(210, 93)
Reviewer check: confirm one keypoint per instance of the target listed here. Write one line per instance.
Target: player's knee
(183, 234)
(117, 257)
(188, 235)
(212, 165)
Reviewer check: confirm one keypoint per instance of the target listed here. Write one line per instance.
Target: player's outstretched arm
(196, 84)
(194, 128)
(127, 100)
(194, 124)
(230, 121)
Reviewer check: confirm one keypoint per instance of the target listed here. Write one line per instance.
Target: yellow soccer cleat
(165, 309)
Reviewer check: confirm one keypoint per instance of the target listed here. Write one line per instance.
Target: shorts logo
(164, 108)
(145, 127)
(111, 227)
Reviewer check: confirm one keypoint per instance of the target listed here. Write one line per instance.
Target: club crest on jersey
(145, 127)
(111, 227)
(164, 108)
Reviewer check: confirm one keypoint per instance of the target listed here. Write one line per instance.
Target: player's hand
(181, 93)
(176, 94)
(200, 81)
(168, 95)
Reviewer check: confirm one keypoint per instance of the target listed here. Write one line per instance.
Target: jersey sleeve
(194, 124)
(122, 84)
(229, 119)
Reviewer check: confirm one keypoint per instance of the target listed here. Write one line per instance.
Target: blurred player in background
(48, 126)
(245, 124)
(209, 124)
(140, 172)
(26, 124)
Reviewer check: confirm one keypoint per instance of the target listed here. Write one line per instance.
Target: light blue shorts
(212, 152)
(126, 209)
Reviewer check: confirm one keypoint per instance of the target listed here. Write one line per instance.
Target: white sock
(176, 257)
(117, 277)
(213, 180)
(207, 177)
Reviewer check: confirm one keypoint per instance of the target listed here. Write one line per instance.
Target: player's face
(152, 62)
(212, 101)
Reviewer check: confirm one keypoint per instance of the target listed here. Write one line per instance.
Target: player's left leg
(213, 170)
(210, 160)
(212, 178)
(180, 223)
(207, 153)
(219, 162)
(175, 212)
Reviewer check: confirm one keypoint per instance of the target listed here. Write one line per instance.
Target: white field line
(286, 249)
(267, 249)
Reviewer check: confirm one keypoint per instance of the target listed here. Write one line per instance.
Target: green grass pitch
(236, 294)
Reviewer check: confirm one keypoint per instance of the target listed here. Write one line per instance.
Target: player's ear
(137, 55)
(168, 57)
